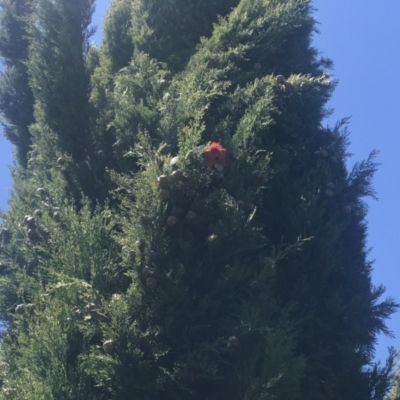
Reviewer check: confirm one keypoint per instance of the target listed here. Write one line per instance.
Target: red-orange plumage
(214, 154)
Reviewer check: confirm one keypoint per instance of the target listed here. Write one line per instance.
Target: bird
(214, 156)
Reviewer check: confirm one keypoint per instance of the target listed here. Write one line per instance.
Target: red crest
(214, 154)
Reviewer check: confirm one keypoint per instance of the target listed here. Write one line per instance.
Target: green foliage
(136, 95)
(60, 83)
(63, 296)
(131, 265)
(202, 287)
(169, 31)
(16, 99)
(115, 53)
(117, 45)
(243, 49)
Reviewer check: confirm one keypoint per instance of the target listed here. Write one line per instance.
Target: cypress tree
(59, 41)
(115, 53)
(16, 99)
(117, 44)
(187, 227)
(169, 31)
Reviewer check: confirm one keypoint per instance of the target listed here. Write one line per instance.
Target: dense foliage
(138, 263)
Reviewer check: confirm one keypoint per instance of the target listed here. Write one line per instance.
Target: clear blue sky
(362, 38)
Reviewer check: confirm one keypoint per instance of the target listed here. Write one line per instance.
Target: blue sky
(361, 37)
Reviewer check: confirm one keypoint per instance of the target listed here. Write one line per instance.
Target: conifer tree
(114, 54)
(169, 31)
(16, 100)
(59, 41)
(186, 227)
